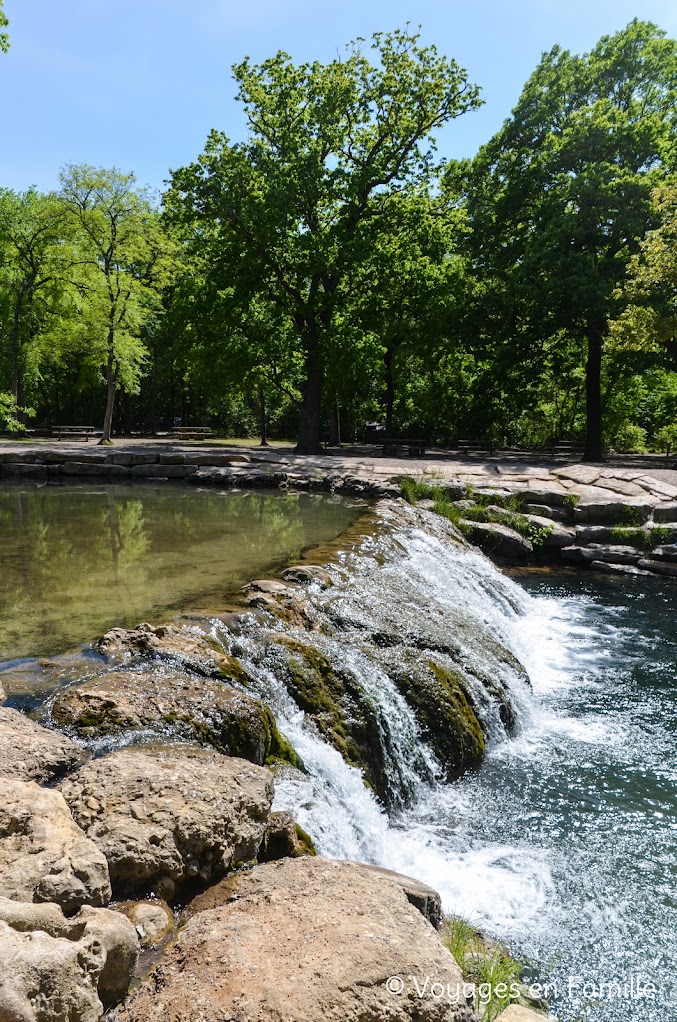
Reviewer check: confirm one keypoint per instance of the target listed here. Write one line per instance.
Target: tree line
(334, 267)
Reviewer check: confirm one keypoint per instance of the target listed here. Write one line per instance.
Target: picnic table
(191, 432)
(415, 448)
(74, 432)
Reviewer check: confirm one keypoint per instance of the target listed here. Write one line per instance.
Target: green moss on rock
(448, 723)
(341, 711)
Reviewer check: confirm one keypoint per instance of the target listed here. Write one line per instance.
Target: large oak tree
(327, 147)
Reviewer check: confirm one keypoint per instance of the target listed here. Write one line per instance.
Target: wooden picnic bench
(474, 447)
(74, 432)
(414, 448)
(191, 432)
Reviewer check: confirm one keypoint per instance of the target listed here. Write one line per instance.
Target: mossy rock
(439, 698)
(202, 709)
(342, 713)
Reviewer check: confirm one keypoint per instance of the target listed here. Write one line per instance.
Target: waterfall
(413, 589)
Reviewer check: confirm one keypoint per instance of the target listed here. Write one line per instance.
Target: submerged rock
(166, 820)
(44, 855)
(306, 939)
(152, 920)
(57, 969)
(171, 702)
(29, 752)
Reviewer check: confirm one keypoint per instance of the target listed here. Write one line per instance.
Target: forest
(334, 268)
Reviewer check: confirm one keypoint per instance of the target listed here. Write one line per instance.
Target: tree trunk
(110, 396)
(263, 422)
(593, 395)
(335, 425)
(389, 391)
(310, 414)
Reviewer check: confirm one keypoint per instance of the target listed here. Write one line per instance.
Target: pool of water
(564, 843)
(76, 560)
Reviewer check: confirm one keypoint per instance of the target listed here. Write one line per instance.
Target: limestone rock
(625, 487)
(166, 820)
(306, 939)
(554, 495)
(660, 487)
(622, 511)
(559, 514)
(284, 839)
(518, 1013)
(665, 513)
(659, 567)
(665, 553)
(499, 540)
(420, 895)
(30, 752)
(44, 856)
(306, 574)
(609, 554)
(616, 569)
(558, 535)
(604, 535)
(56, 969)
(152, 920)
(208, 711)
(188, 647)
(586, 474)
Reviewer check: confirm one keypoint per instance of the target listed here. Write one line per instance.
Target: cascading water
(533, 845)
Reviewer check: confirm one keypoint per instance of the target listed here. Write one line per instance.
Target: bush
(630, 439)
(666, 438)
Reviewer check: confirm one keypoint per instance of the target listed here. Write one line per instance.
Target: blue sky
(137, 84)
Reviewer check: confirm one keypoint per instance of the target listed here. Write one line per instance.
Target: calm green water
(77, 560)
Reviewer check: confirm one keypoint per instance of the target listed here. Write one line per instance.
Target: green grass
(507, 513)
(496, 975)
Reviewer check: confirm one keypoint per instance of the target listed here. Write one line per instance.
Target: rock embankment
(580, 516)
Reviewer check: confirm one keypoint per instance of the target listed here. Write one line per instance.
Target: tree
(328, 146)
(4, 22)
(560, 198)
(124, 258)
(649, 320)
(33, 260)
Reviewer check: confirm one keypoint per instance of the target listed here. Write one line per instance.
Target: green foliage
(8, 413)
(560, 198)
(666, 438)
(630, 439)
(4, 37)
(494, 973)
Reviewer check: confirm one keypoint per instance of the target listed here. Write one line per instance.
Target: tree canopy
(332, 267)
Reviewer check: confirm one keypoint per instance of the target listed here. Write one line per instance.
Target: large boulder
(44, 855)
(612, 510)
(168, 701)
(29, 752)
(169, 820)
(308, 940)
(499, 540)
(57, 969)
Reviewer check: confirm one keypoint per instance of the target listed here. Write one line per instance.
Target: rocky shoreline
(136, 826)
